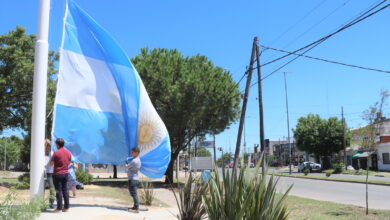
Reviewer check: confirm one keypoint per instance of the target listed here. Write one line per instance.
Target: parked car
(231, 165)
(309, 165)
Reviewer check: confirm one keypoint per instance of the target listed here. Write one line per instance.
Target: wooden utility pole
(245, 101)
(262, 143)
(344, 139)
(255, 154)
(215, 152)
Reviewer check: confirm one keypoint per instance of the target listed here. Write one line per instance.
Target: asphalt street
(340, 192)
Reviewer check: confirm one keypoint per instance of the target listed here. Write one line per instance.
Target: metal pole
(288, 120)
(344, 140)
(245, 101)
(5, 154)
(262, 143)
(39, 101)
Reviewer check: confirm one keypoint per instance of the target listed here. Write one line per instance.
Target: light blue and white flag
(102, 109)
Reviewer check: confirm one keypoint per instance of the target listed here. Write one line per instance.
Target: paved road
(339, 192)
(346, 193)
(348, 176)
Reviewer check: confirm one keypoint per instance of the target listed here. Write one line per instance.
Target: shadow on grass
(122, 183)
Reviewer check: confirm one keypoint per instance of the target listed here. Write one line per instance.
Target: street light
(288, 121)
(221, 149)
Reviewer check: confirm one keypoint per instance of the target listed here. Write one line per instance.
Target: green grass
(301, 208)
(334, 178)
(363, 172)
(9, 180)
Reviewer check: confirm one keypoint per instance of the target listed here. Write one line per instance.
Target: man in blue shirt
(132, 174)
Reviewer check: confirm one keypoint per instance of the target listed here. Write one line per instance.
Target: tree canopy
(192, 96)
(319, 136)
(14, 146)
(201, 152)
(16, 82)
(224, 159)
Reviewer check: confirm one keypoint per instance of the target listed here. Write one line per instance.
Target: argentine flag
(102, 109)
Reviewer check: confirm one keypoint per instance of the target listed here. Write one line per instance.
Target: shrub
(14, 208)
(248, 196)
(24, 181)
(190, 200)
(328, 173)
(306, 171)
(338, 167)
(83, 177)
(147, 196)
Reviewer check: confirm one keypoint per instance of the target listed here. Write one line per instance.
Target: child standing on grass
(132, 174)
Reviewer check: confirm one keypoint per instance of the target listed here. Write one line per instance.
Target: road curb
(334, 180)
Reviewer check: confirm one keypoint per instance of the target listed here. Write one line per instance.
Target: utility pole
(255, 154)
(5, 153)
(245, 101)
(189, 157)
(196, 146)
(262, 143)
(344, 140)
(215, 152)
(288, 122)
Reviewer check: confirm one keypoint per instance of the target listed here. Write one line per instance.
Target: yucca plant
(248, 196)
(147, 195)
(190, 199)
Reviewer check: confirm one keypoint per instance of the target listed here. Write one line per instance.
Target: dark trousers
(61, 189)
(133, 185)
(49, 180)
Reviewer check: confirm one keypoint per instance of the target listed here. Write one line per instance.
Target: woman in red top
(61, 159)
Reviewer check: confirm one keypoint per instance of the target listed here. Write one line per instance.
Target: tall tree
(192, 96)
(224, 159)
(16, 82)
(371, 133)
(202, 152)
(319, 136)
(10, 149)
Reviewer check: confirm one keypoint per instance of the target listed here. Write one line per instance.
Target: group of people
(60, 173)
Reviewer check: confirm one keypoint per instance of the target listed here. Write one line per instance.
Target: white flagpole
(39, 101)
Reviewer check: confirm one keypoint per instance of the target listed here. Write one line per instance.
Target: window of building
(386, 158)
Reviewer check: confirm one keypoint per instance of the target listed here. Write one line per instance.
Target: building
(378, 158)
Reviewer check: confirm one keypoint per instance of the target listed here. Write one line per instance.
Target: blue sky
(224, 30)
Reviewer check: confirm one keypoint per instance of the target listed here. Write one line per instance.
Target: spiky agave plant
(147, 196)
(249, 196)
(190, 199)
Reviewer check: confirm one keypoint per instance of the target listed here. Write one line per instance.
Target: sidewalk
(102, 208)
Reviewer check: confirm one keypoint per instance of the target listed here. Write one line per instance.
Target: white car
(309, 165)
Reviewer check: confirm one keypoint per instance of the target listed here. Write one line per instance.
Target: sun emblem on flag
(149, 131)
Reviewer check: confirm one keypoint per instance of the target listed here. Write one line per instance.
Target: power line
(350, 24)
(299, 21)
(326, 60)
(313, 26)
(316, 43)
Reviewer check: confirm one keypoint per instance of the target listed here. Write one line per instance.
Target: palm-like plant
(248, 196)
(190, 200)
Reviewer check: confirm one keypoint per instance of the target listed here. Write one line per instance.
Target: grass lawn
(333, 178)
(301, 208)
(8, 180)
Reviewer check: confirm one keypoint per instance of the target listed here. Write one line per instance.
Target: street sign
(206, 144)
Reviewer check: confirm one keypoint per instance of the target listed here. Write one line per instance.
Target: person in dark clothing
(61, 159)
